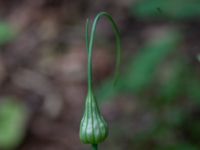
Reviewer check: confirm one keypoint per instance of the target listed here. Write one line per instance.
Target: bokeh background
(43, 74)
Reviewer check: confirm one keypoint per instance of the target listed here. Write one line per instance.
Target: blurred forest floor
(43, 67)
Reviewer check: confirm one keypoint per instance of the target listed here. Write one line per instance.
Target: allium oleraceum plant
(93, 127)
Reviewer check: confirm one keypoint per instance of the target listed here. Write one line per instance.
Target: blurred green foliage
(158, 76)
(13, 117)
(168, 85)
(167, 9)
(142, 69)
(6, 33)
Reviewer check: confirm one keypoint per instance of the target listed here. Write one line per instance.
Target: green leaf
(169, 9)
(6, 33)
(143, 67)
(12, 124)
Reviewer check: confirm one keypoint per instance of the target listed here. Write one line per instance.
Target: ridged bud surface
(93, 128)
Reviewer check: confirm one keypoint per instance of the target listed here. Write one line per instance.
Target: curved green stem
(90, 43)
(94, 147)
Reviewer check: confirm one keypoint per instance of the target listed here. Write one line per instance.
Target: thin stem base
(94, 147)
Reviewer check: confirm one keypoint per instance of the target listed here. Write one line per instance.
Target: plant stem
(94, 147)
(90, 42)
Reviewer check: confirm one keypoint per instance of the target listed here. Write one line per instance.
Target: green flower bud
(93, 128)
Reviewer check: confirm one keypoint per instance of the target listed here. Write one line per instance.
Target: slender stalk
(90, 43)
(87, 34)
(94, 147)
